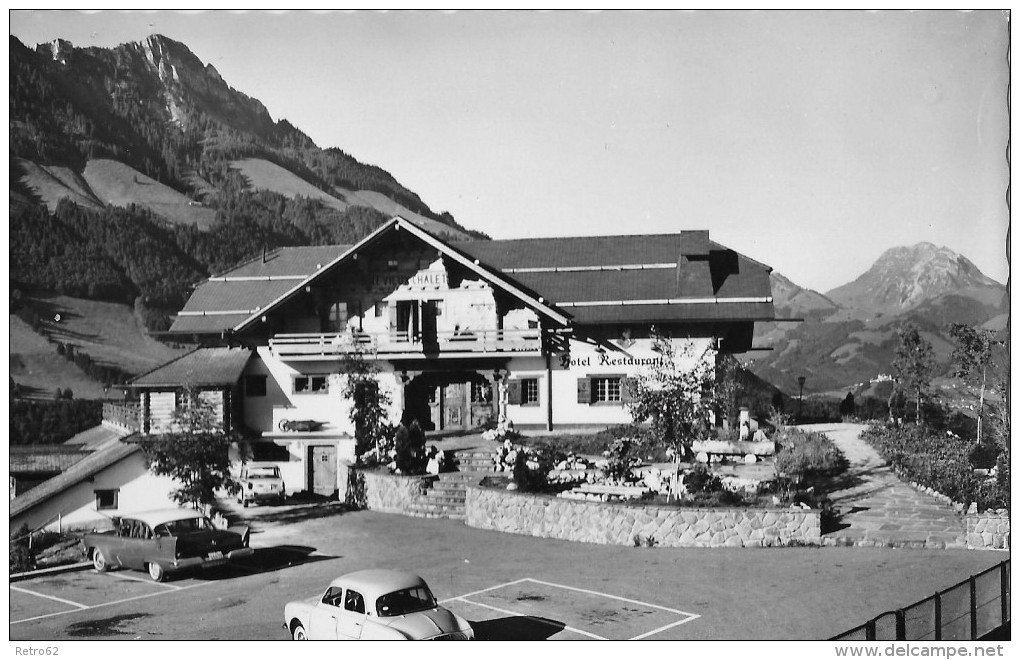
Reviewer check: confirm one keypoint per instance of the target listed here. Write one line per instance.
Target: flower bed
(623, 524)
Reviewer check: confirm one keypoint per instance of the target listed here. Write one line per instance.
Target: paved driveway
(512, 587)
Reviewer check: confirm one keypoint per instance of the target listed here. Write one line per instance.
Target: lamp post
(800, 402)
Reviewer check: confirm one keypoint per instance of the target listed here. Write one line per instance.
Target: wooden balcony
(124, 415)
(401, 344)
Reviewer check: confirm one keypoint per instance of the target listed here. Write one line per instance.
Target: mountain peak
(904, 277)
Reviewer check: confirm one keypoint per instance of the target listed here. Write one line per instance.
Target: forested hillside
(155, 108)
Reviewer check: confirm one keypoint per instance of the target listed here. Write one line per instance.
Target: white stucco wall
(281, 402)
(140, 490)
(585, 362)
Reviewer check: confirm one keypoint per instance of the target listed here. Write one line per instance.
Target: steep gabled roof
(227, 299)
(400, 224)
(660, 277)
(203, 367)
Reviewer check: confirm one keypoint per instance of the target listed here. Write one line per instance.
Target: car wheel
(299, 633)
(99, 561)
(156, 572)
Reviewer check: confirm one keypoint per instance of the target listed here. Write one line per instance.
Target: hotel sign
(610, 360)
(423, 279)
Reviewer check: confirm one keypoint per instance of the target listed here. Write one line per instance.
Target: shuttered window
(523, 392)
(604, 390)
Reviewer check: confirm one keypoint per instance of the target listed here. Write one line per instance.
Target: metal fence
(965, 611)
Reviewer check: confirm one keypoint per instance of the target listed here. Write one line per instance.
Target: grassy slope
(109, 332)
(35, 365)
(54, 183)
(263, 175)
(391, 208)
(118, 184)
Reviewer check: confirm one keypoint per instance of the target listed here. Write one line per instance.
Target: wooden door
(454, 405)
(322, 465)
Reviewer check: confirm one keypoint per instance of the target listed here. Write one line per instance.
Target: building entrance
(451, 401)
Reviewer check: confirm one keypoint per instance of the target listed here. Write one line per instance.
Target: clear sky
(811, 141)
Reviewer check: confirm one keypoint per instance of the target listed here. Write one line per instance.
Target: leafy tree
(371, 404)
(195, 452)
(727, 387)
(973, 356)
(676, 400)
(914, 363)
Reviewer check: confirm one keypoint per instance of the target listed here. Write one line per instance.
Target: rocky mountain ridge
(904, 277)
(845, 338)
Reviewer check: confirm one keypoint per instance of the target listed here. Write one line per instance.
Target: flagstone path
(878, 509)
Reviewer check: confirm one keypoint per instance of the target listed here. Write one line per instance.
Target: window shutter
(584, 390)
(513, 392)
(626, 391)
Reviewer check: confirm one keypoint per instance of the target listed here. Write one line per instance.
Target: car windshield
(184, 526)
(264, 472)
(405, 601)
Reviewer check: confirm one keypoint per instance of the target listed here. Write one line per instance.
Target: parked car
(375, 605)
(166, 541)
(261, 482)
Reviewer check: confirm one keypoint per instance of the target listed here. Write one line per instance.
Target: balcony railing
(124, 415)
(402, 342)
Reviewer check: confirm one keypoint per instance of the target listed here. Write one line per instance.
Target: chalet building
(541, 332)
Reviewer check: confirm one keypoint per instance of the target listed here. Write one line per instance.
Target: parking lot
(510, 587)
(513, 610)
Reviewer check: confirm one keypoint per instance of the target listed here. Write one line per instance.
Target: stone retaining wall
(988, 530)
(388, 493)
(621, 524)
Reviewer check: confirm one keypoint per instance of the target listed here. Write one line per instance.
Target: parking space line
(59, 600)
(482, 591)
(605, 595)
(692, 617)
(526, 616)
(144, 581)
(92, 607)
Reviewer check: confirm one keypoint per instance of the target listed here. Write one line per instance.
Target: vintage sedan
(376, 605)
(166, 541)
(261, 482)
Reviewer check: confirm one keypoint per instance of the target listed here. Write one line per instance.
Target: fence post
(901, 626)
(972, 583)
(938, 616)
(869, 631)
(60, 522)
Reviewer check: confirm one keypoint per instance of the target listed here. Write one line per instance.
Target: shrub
(983, 455)
(700, 479)
(410, 450)
(806, 457)
(532, 466)
(21, 556)
(620, 458)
